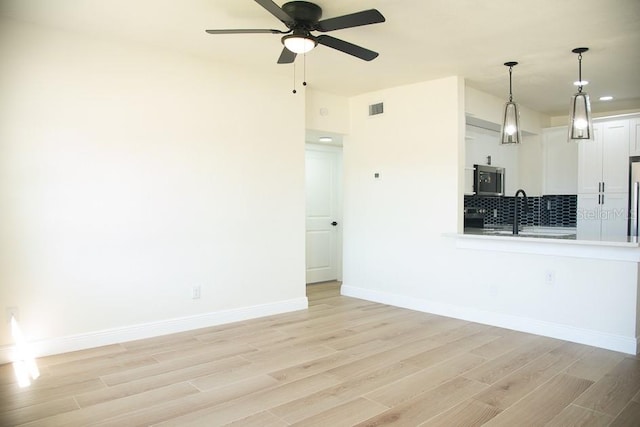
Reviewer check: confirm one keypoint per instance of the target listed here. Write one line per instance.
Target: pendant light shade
(580, 123)
(511, 132)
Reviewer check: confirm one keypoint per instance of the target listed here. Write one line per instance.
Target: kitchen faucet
(515, 208)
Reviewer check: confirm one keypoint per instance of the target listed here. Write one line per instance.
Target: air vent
(375, 109)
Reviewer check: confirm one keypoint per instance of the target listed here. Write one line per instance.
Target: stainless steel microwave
(488, 180)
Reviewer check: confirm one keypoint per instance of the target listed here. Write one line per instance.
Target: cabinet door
(634, 144)
(615, 156)
(590, 162)
(614, 212)
(588, 216)
(560, 162)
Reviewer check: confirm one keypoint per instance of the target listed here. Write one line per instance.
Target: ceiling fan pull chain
(294, 77)
(304, 69)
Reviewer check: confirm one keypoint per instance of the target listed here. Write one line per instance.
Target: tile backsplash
(553, 210)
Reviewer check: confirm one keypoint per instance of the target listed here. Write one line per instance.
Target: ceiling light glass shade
(299, 44)
(580, 123)
(510, 133)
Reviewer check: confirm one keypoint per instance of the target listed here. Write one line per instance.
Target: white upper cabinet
(615, 157)
(560, 165)
(634, 144)
(603, 163)
(590, 162)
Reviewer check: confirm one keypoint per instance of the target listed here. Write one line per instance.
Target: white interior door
(323, 217)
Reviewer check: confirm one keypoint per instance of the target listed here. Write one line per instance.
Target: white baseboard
(554, 330)
(153, 329)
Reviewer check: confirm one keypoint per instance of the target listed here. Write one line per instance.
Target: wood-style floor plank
(86, 416)
(543, 404)
(595, 364)
(511, 388)
(426, 405)
(346, 414)
(256, 402)
(574, 415)
(629, 417)
(411, 386)
(509, 362)
(342, 362)
(207, 401)
(469, 413)
(611, 393)
(352, 387)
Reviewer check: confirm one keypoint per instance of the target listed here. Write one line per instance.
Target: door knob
(334, 223)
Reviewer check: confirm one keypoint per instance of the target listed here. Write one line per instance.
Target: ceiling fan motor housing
(305, 14)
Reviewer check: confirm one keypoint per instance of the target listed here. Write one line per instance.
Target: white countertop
(621, 249)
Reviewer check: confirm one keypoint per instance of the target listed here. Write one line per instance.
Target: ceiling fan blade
(347, 47)
(246, 31)
(276, 11)
(286, 57)
(366, 17)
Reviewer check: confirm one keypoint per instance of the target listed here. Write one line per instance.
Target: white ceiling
(421, 40)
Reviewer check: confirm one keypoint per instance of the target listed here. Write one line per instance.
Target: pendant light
(511, 132)
(580, 123)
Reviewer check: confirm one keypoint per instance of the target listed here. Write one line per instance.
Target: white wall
(490, 108)
(398, 249)
(130, 174)
(393, 224)
(327, 112)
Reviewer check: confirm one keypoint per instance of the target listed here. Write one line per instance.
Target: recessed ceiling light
(580, 83)
(325, 139)
(606, 98)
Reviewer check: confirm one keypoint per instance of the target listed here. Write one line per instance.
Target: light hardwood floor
(343, 362)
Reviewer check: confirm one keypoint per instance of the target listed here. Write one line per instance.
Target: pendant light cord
(510, 89)
(580, 72)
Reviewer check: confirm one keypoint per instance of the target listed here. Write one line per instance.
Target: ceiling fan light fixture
(511, 132)
(299, 43)
(580, 123)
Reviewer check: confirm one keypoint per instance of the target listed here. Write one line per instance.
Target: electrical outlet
(12, 312)
(549, 277)
(195, 292)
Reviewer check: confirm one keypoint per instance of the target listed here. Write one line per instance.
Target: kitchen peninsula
(572, 272)
(584, 291)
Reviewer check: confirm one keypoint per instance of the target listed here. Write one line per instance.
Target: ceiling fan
(302, 17)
